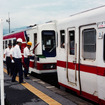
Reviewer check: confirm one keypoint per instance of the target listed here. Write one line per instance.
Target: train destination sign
(101, 25)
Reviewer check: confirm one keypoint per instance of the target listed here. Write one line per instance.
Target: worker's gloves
(12, 61)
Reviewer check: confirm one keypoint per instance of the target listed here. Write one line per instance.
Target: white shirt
(7, 52)
(26, 52)
(12, 52)
(17, 52)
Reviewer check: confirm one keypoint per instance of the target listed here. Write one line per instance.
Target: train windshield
(48, 43)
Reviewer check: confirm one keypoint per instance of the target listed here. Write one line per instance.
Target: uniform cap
(19, 40)
(29, 43)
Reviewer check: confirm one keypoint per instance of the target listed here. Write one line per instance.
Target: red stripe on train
(15, 35)
(86, 95)
(40, 66)
(85, 68)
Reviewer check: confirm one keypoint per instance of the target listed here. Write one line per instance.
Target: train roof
(95, 12)
(17, 31)
(46, 23)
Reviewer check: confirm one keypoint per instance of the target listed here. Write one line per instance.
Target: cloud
(33, 6)
(26, 12)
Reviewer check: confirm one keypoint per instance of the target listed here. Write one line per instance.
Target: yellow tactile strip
(38, 93)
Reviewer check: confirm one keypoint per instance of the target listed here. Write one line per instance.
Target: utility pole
(8, 20)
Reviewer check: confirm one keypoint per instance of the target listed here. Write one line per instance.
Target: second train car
(44, 38)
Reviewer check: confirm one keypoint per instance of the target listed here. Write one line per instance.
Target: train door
(71, 57)
(87, 66)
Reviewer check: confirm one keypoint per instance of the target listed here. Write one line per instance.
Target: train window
(48, 40)
(26, 36)
(10, 41)
(35, 39)
(72, 42)
(6, 44)
(89, 43)
(14, 41)
(62, 37)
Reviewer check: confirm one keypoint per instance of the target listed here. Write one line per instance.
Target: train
(77, 52)
(42, 36)
(81, 54)
(1, 65)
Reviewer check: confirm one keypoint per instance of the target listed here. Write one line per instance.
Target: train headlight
(49, 66)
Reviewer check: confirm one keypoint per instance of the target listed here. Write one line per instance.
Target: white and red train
(44, 36)
(80, 52)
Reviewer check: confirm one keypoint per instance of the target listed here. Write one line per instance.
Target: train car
(12, 37)
(43, 38)
(1, 66)
(81, 54)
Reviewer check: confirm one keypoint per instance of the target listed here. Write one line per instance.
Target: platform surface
(32, 93)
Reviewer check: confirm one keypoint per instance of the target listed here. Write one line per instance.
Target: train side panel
(80, 54)
(45, 53)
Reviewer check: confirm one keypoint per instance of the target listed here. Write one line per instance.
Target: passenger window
(6, 44)
(14, 41)
(72, 42)
(62, 37)
(35, 39)
(89, 44)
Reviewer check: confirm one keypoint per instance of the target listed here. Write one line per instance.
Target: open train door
(1, 67)
(87, 66)
(71, 58)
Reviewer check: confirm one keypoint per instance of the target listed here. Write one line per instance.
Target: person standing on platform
(18, 61)
(12, 59)
(8, 59)
(27, 55)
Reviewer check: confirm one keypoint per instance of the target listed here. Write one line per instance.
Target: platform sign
(1, 66)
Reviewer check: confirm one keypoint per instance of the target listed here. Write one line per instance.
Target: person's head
(19, 41)
(10, 45)
(29, 44)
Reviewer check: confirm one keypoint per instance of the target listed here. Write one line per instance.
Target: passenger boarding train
(80, 53)
(44, 36)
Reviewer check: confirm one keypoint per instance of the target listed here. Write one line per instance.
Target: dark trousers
(26, 67)
(8, 64)
(18, 68)
(12, 67)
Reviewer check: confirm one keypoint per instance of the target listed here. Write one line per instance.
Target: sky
(30, 12)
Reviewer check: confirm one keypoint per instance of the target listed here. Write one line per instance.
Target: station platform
(31, 93)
